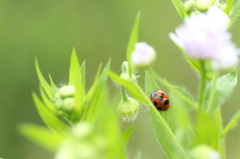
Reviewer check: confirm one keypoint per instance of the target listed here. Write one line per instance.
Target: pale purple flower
(204, 36)
(143, 55)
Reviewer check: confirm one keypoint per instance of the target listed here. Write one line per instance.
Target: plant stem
(212, 93)
(124, 95)
(202, 83)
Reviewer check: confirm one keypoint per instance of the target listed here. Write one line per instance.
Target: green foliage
(229, 4)
(178, 4)
(41, 136)
(235, 10)
(218, 91)
(131, 43)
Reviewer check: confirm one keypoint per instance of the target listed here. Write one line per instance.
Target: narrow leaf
(126, 135)
(47, 88)
(131, 43)
(74, 68)
(41, 136)
(47, 102)
(150, 83)
(235, 10)
(229, 4)
(49, 119)
(83, 75)
(232, 123)
(178, 4)
(93, 108)
(53, 86)
(224, 87)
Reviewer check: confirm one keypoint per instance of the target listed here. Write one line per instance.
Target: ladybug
(160, 100)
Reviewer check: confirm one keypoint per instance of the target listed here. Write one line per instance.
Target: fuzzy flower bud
(128, 109)
(204, 151)
(189, 6)
(143, 55)
(125, 73)
(67, 91)
(68, 104)
(82, 130)
(203, 5)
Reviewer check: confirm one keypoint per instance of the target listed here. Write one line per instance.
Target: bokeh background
(98, 29)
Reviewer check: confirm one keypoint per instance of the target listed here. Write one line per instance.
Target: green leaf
(41, 136)
(83, 75)
(94, 107)
(126, 135)
(49, 119)
(150, 83)
(224, 86)
(229, 4)
(162, 130)
(180, 123)
(79, 98)
(235, 10)
(53, 86)
(47, 102)
(131, 43)
(178, 4)
(46, 87)
(91, 92)
(108, 125)
(206, 131)
(138, 155)
(74, 68)
(232, 123)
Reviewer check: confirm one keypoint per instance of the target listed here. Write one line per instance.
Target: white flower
(204, 36)
(143, 55)
(227, 59)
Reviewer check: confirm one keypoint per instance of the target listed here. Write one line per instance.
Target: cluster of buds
(196, 6)
(64, 100)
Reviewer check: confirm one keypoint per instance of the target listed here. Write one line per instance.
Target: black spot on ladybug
(166, 102)
(159, 108)
(155, 103)
(160, 98)
(163, 93)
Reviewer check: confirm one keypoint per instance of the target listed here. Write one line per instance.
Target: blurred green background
(98, 29)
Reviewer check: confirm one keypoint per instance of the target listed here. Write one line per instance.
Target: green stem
(202, 83)
(212, 93)
(124, 95)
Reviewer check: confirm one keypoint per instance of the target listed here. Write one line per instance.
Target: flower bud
(143, 55)
(204, 151)
(189, 6)
(128, 109)
(125, 73)
(82, 130)
(203, 5)
(67, 91)
(68, 104)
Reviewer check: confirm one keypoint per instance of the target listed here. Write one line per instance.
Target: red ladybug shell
(160, 100)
